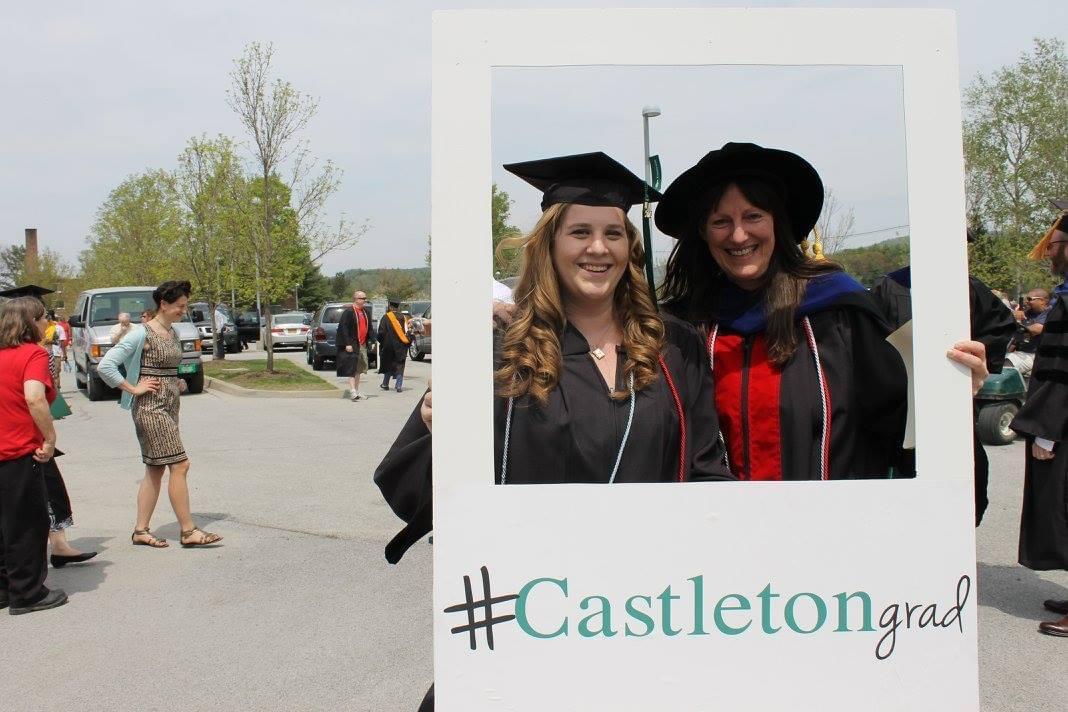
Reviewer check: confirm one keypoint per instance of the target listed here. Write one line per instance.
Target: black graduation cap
(28, 290)
(586, 179)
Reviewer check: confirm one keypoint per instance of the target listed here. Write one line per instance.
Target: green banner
(654, 169)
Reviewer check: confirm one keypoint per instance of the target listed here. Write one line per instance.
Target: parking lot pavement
(298, 610)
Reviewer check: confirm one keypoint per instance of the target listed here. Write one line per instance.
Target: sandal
(154, 541)
(206, 538)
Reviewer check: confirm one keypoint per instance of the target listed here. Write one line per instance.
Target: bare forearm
(42, 417)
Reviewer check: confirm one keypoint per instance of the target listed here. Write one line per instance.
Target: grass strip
(253, 374)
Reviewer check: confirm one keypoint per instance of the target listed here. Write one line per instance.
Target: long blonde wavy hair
(530, 351)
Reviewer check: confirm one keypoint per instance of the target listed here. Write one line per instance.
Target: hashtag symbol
(485, 606)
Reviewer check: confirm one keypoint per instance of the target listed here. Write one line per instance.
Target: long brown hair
(18, 322)
(693, 279)
(531, 345)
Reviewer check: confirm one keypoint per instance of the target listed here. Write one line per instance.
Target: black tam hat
(793, 177)
(585, 179)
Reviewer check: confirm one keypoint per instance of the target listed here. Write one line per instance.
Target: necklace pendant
(597, 353)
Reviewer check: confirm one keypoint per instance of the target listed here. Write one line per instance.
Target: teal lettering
(765, 597)
(721, 606)
(521, 609)
(665, 611)
(698, 605)
(642, 618)
(821, 613)
(605, 614)
(843, 611)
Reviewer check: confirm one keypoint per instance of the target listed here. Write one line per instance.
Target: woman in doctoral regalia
(806, 385)
(591, 384)
(1043, 420)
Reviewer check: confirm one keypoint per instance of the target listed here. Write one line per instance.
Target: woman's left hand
(182, 385)
(973, 355)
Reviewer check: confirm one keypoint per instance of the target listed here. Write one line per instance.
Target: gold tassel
(817, 245)
(804, 247)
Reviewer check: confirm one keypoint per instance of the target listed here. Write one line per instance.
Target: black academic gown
(348, 335)
(392, 352)
(992, 324)
(576, 436)
(1044, 522)
(773, 417)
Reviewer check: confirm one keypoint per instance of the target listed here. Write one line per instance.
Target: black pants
(23, 531)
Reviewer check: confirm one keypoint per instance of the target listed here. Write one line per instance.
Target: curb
(229, 388)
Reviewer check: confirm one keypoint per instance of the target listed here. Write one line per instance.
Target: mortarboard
(585, 179)
(28, 290)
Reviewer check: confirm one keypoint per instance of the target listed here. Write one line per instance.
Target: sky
(97, 91)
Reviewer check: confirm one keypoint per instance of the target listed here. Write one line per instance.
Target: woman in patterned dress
(151, 354)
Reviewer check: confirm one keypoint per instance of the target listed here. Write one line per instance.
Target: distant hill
(376, 282)
(870, 262)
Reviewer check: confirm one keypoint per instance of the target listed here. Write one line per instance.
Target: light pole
(296, 297)
(648, 112)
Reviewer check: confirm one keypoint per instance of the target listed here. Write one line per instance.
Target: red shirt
(19, 435)
(361, 326)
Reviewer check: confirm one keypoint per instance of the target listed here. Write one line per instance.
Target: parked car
(420, 328)
(248, 325)
(288, 329)
(322, 345)
(96, 311)
(200, 312)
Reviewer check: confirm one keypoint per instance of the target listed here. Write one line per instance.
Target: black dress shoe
(59, 561)
(53, 599)
(1057, 628)
(1056, 606)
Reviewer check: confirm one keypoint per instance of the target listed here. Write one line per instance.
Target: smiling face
(741, 239)
(590, 253)
(173, 311)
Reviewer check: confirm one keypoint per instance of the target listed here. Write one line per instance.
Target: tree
(274, 114)
(315, 289)
(211, 188)
(12, 264)
(1016, 154)
(397, 285)
(133, 240)
(505, 260)
(835, 223)
(339, 286)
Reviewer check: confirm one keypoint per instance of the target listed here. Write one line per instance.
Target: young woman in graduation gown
(806, 385)
(1043, 420)
(592, 385)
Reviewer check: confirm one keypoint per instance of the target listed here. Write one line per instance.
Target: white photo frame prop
(840, 595)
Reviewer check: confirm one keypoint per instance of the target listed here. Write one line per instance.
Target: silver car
(288, 329)
(97, 310)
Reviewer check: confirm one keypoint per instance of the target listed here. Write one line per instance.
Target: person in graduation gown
(354, 337)
(1043, 421)
(992, 324)
(806, 385)
(393, 345)
(591, 384)
(584, 321)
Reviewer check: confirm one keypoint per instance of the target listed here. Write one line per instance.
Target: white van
(97, 310)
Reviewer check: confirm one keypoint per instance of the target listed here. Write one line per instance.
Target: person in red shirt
(27, 440)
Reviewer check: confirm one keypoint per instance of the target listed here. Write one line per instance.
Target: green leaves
(1016, 153)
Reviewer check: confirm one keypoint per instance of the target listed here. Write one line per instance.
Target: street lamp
(296, 297)
(648, 112)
